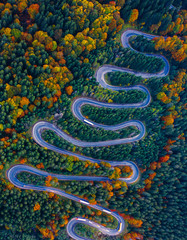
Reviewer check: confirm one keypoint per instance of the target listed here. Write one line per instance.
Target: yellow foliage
(117, 185)
(1, 127)
(174, 45)
(86, 60)
(22, 5)
(109, 187)
(69, 37)
(106, 164)
(46, 233)
(110, 100)
(19, 112)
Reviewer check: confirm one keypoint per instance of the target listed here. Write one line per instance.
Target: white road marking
(106, 211)
(90, 123)
(120, 226)
(84, 202)
(37, 130)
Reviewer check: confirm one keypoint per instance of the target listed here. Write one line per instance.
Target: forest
(49, 53)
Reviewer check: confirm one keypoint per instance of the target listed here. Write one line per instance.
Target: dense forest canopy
(49, 52)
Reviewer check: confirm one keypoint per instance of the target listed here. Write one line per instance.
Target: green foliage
(37, 61)
(150, 12)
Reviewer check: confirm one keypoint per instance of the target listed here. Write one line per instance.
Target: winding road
(76, 109)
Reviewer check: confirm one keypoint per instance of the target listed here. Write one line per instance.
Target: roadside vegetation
(48, 56)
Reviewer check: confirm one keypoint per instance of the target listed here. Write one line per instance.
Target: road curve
(76, 109)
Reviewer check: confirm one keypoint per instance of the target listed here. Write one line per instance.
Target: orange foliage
(142, 170)
(50, 194)
(165, 158)
(173, 90)
(4, 139)
(36, 207)
(132, 221)
(134, 15)
(62, 61)
(24, 160)
(37, 101)
(33, 10)
(24, 101)
(151, 176)
(127, 169)
(27, 37)
(148, 181)
(50, 103)
(40, 165)
(111, 194)
(109, 186)
(133, 236)
(162, 97)
(93, 201)
(181, 136)
(178, 26)
(9, 130)
(174, 45)
(96, 165)
(86, 165)
(66, 219)
(31, 107)
(22, 5)
(117, 184)
(46, 233)
(112, 3)
(98, 213)
(48, 181)
(148, 184)
(155, 27)
(153, 165)
(169, 143)
(106, 164)
(10, 186)
(69, 90)
(51, 46)
(7, 228)
(168, 120)
(167, 148)
(45, 99)
(116, 174)
(112, 25)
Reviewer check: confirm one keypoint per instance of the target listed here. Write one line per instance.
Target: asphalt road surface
(76, 109)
